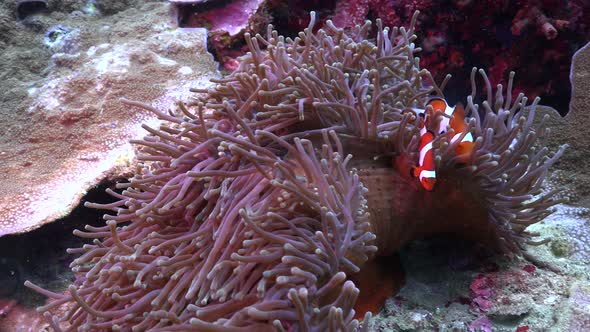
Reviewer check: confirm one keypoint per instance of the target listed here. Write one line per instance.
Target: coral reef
(454, 285)
(348, 13)
(64, 130)
(252, 206)
(519, 36)
(437, 294)
(457, 35)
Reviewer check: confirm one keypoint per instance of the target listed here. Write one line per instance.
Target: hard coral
(46, 169)
(247, 210)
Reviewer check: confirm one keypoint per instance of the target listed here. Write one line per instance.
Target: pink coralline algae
(226, 22)
(529, 268)
(482, 324)
(349, 13)
(253, 207)
(16, 317)
(512, 293)
(232, 17)
(481, 291)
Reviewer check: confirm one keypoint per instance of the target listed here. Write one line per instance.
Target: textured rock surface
(64, 129)
(452, 286)
(574, 129)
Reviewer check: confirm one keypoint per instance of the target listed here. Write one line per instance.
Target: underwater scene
(267, 165)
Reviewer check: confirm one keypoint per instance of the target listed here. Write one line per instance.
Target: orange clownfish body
(425, 171)
(455, 119)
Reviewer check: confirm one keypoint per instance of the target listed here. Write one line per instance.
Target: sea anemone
(251, 207)
(490, 194)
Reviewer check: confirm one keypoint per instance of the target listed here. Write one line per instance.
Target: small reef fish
(425, 171)
(454, 118)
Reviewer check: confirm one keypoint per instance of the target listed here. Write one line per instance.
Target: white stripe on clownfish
(437, 104)
(441, 105)
(468, 137)
(445, 121)
(425, 171)
(455, 119)
(427, 174)
(425, 149)
(417, 111)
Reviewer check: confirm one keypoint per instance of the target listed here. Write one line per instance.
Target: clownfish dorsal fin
(457, 121)
(460, 111)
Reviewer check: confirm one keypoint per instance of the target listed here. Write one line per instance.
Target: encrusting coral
(252, 207)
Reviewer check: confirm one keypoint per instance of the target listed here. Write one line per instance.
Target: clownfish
(454, 118)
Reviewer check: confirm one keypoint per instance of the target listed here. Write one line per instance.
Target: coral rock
(74, 132)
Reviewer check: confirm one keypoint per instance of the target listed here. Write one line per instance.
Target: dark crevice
(40, 255)
(291, 17)
(186, 12)
(26, 8)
